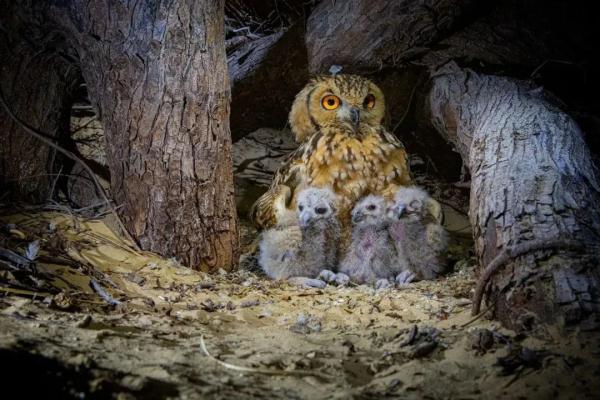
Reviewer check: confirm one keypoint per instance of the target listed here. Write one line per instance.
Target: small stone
(462, 302)
(85, 322)
(305, 324)
(480, 340)
(249, 303)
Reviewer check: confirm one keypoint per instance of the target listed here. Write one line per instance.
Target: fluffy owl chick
(303, 250)
(417, 233)
(371, 256)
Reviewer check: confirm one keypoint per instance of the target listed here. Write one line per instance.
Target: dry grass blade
(263, 371)
(102, 293)
(23, 292)
(109, 241)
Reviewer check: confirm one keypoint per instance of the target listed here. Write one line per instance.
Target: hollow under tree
(157, 74)
(534, 203)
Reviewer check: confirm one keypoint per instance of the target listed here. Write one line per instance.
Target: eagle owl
(343, 146)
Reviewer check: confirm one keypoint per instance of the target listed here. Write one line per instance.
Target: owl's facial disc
(366, 216)
(346, 102)
(370, 211)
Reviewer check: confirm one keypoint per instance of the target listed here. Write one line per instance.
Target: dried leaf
(32, 250)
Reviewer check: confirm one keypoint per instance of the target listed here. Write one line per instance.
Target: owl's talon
(342, 279)
(327, 276)
(404, 278)
(382, 284)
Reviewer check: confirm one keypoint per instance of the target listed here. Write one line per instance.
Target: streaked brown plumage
(345, 148)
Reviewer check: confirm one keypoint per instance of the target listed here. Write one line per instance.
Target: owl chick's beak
(355, 116)
(399, 209)
(357, 217)
(304, 219)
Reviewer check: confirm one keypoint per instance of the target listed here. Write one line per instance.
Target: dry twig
(510, 255)
(258, 370)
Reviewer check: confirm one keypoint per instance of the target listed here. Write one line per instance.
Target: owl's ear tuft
(299, 118)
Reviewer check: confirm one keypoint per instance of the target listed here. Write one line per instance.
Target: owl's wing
(271, 207)
(396, 167)
(292, 171)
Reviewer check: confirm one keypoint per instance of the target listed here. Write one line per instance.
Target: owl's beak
(355, 116)
(304, 219)
(358, 217)
(399, 209)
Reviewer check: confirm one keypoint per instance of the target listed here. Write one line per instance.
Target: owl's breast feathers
(356, 165)
(352, 165)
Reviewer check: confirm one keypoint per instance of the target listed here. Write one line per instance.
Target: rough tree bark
(36, 83)
(362, 35)
(534, 192)
(157, 74)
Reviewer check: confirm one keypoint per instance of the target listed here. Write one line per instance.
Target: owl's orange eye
(330, 102)
(369, 101)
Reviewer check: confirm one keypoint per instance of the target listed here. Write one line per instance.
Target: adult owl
(343, 146)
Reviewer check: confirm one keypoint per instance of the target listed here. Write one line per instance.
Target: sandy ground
(176, 333)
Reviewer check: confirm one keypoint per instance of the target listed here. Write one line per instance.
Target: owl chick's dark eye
(320, 210)
(371, 207)
(300, 207)
(415, 204)
(369, 101)
(330, 102)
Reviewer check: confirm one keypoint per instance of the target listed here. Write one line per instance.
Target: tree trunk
(535, 200)
(362, 35)
(36, 85)
(157, 73)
